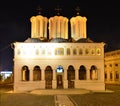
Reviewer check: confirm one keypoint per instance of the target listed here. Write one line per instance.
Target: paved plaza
(69, 97)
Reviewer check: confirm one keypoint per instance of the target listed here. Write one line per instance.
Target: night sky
(103, 24)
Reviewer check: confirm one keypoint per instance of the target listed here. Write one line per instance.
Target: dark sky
(103, 24)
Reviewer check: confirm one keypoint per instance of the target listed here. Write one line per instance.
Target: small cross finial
(39, 10)
(58, 9)
(78, 10)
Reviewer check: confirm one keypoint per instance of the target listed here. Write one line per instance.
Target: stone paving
(61, 95)
(63, 100)
(59, 91)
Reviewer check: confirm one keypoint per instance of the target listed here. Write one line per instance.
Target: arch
(82, 73)
(25, 73)
(93, 72)
(48, 77)
(36, 73)
(70, 76)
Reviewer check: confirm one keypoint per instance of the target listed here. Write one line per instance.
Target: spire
(39, 10)
(78, 10)
(58, 9)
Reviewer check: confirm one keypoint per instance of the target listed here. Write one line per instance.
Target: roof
(84, 40)
(58, 40)
(33, 40)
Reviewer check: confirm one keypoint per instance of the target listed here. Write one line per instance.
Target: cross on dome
(78, 10)
(58, 9)
(39, 10)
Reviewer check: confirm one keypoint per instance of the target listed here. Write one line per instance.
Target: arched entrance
(36, 73)
(59, 72)
(71, 76)
(48, 77)
(82, 73)
(25, 73)
(93, 73)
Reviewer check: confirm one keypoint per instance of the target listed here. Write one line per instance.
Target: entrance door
(48, 77)
(59, 81)
(71, 76)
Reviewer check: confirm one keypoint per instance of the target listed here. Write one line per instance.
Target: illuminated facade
(112, 67)
(50, 59)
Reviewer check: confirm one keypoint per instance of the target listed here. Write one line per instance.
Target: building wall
(112, 67)
(92, 55)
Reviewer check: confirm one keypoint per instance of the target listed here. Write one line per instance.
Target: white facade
(59, 62)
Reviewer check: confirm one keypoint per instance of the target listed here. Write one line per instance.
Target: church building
(53, 58)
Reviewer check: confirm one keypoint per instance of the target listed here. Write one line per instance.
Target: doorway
(59, 81)
(71, 76)
(48, 77)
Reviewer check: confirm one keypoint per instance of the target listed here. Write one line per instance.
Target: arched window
(74, 51)
(68, 51)
(116, 75)
(25, 73)
(86, 51)
(59, 51)
(82, 73)
(98, 51)
(93, 73)
(105, 76)
(93, 51)
(36, 73)
(80, 51)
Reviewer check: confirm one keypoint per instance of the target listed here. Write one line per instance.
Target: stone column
(42, 74)
(58, 27)
(43, 78)
(81, 28)
(31, 73)
(72, 27)
(45, 28)
(32, 20)
(41, 27)
(66, 31)
(62, 33)
(88, 74)
(76, 74)
(84, 28)
(54, 82)
(65, 83)
(108, 75)
(113, 75)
